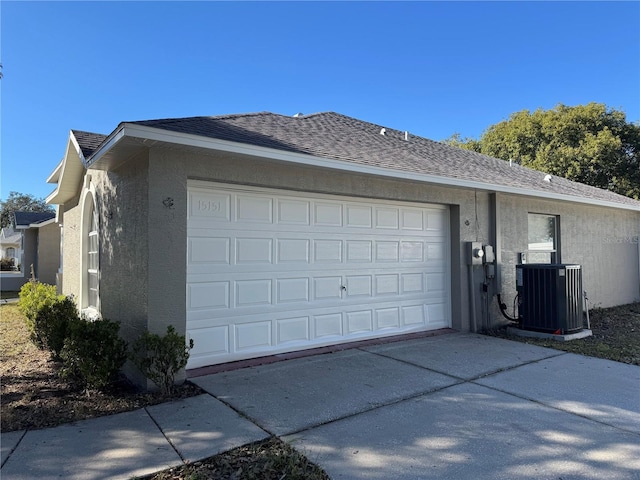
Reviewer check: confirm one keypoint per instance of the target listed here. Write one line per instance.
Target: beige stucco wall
(603, 240)
(70, 213)
(122, 205)
(48, 253)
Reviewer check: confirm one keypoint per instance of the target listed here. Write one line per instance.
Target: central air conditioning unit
(550, 297)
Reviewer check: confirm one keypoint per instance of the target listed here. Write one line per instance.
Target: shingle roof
(334, 136)
(9, 236)
(24, 219)
(88, 142)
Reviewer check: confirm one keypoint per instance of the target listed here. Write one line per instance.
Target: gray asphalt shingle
(335, 136)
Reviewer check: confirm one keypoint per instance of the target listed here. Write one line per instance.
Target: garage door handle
(342, 287)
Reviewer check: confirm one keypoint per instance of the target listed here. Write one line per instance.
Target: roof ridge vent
(298, 115)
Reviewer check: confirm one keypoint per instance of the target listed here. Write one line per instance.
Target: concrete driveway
(455, 406)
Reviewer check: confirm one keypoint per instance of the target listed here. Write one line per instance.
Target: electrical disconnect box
(489, 255)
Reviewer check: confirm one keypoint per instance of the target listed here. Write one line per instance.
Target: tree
(591, 144)
(20, 202)
(467, 143)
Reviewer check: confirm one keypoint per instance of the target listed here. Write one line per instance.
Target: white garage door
(272, 271)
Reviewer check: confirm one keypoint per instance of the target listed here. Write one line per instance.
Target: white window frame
(534, 250)
(90, 254)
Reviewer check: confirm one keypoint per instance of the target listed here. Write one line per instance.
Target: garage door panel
(436, 315)
(327, 214)
(293, 250)
(210, 341)
(359, 216)
(292, 290)
(359, 321)
(387, 318)
(208, 295)
(271, 271)
(253, 336)
(295, 329)
(358, 285)
(208, 250)
(205, 207)
(294, 212)
(252, 209)
(327, 251)
(413, 315)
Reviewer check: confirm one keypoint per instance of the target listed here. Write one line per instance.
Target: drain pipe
(586, 302)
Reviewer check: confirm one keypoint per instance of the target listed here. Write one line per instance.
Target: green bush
(159, 358)
(51, 325)
(93, 353)
(34, 296)
(7, 264)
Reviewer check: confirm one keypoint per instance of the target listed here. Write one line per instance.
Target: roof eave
(67, 173)
(100, 160)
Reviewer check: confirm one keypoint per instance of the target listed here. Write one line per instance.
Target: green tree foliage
(467, 143)
(591, 144)
(20, 202)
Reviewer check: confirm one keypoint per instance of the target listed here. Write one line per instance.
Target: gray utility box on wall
(550, 297)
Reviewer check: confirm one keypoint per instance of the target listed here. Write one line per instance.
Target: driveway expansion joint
(164, 435)
(14, 447)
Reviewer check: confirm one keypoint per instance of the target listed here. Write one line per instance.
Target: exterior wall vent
(550, 297)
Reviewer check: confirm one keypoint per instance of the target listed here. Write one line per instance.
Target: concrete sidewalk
(453, 406)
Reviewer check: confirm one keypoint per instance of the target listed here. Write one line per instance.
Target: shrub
(35, 295)
(7, 264)
(159, 358)
(93, 353)
(51, 325)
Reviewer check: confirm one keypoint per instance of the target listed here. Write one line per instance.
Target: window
(92, 262)
(11, 252)
(89, 301)
(543, 239)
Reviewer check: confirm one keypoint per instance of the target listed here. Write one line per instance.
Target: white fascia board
(111, 141)
(43, 224)
(156, 134)
(72, 164)
(55, 175)
(76, 145)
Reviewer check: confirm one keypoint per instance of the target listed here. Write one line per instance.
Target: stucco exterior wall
(71, 248)
(603, 240)
(122, 205)
(48, 253)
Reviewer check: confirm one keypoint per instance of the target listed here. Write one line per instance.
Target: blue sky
(432, 68)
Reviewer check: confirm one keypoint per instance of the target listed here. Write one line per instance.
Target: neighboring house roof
(30, 219)
(352, 144)
(8, 236)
